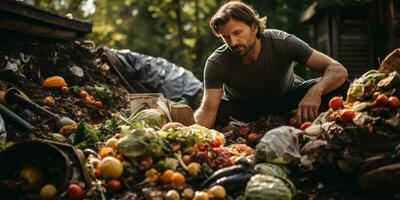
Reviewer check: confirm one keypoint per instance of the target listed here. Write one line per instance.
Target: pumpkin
(54, 82)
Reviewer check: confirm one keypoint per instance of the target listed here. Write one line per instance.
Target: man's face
(240, 37)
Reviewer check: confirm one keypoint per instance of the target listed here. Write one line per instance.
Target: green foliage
(177, 30)
(85, 137)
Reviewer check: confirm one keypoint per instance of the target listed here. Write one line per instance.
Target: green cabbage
(272, 170)
(262, 187)
(141, 142)
(153, 118)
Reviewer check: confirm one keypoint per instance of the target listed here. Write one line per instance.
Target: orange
(107, 151)
(167, 176)
(178, 179)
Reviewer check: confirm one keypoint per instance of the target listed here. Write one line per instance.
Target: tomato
(381, 100)
(394, 102)
(244, 130)
(178, 179)
(336, 103)
(114, 185)
(75, 192)
(49, 101)
(83, 94)
(64, 89)
(253, 137)
(217, 142)
(347, 115)
(117, 136)
(305, 125)
(98, 104)
(186, 159)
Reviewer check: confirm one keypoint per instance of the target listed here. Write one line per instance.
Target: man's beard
(244, 50)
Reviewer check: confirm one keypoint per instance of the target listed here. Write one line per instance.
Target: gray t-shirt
(270, 76)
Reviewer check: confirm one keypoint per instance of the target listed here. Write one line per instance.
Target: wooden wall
(346, 38)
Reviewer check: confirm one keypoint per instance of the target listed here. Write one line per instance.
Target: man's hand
(309, 105)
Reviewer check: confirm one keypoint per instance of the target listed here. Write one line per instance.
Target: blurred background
(358, 33)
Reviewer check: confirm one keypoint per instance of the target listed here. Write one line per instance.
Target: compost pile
(27, 61)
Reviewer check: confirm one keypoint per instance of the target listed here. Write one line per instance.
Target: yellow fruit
(48, 191)
(112, 142)
(194, 169)
(187, 193)
(172, 195)
(200, 195)
(32, 176)
(217, 192)
(110, 167)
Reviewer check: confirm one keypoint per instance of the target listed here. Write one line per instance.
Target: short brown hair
(239, 11)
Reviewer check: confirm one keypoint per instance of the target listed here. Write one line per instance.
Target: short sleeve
(297, 49)
(213, 75)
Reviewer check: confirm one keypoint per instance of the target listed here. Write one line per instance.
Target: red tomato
(382, 100)
(117, 136)
(336, 103)
(75, 192)
(394, 102)
(244, 130)
(114, 185)
(216, 143)
(305, 125)
(253, 137)
(347, 115)
(98, 104)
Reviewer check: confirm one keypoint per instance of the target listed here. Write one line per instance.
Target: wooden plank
(36, 29)
(182, 113)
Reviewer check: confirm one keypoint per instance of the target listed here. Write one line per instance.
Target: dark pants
(249, 111)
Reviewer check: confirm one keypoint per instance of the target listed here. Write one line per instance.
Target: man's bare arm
(334, 75)
(334, 72)
(207, 112)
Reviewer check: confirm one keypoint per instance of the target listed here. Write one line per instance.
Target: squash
(54, 82)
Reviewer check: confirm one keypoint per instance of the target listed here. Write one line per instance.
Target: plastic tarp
(173, 81)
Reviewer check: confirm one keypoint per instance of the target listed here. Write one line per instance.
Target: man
(252, 73)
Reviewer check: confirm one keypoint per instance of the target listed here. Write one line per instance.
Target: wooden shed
(357, 35)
